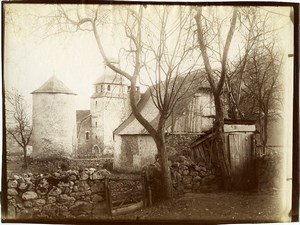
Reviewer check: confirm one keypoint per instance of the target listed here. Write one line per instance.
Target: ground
(218, 207)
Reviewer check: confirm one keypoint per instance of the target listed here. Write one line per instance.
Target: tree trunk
(163, 160)
(265, 133)
(25, 157)
(223, 157)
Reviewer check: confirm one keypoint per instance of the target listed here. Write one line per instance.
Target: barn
(135, 148)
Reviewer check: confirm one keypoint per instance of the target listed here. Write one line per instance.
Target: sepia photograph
(149, 112)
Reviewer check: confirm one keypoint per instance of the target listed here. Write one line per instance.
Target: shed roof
(54, 85)
(230, 126)
(192, 83)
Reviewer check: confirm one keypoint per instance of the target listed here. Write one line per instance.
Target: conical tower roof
(110, 77)
(54, 85)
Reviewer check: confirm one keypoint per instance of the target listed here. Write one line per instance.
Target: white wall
(54, 121)
(144, 155)
(147, 150)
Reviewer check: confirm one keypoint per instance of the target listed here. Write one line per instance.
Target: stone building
(193, 115)
(53, 120)
(109, 107)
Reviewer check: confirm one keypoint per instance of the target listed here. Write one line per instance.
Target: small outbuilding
(240, 147)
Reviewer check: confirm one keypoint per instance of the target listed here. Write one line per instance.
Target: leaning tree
(153, 44)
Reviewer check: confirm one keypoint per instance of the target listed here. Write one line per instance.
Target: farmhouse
(194, 113)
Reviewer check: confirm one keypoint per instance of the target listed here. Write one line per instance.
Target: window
(96, 103)
(96, 137)
(108, 87)
(96, 124)
(87, 135)
(101, 88)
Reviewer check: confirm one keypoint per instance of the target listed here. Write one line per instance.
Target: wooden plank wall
(196, 115)
(241, 159)
(240, 148)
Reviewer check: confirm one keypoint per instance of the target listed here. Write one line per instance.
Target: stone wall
(62, 194)
(270, 171)
(190, 177)
(105, 163)
(179, 144)
(187, 176)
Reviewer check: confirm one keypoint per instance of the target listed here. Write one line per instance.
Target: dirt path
(217, 207)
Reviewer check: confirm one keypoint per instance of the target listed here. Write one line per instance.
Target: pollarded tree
(17, 120)
(210, 27)
(151, 40)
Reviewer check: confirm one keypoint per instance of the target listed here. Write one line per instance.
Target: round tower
(109, 108)
(53, 120)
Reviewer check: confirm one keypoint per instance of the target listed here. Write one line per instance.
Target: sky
(31, 57)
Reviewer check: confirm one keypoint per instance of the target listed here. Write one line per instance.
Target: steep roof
(192, 83)
(82, 114)
(54, 85)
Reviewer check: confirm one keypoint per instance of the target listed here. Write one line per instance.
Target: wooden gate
(132, 196)
(241, 148)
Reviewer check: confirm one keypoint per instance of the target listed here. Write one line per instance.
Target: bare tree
(153, 43)
(209, 28)
(255, 30)
(18, 122)
(262, 91)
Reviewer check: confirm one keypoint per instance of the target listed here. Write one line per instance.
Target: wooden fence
(129, 200)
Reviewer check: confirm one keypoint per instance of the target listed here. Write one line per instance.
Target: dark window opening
(108, 87)
(96, 137)
(87, 135)
(96, 124)
(96, 103)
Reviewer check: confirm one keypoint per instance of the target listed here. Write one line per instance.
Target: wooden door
(242, 160)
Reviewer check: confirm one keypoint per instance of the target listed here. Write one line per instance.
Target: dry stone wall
(62, 194)
(270, 173)
(105, 163)
(179, 144)
(187, 176)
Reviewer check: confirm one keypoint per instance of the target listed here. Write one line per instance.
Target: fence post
(108, 196)
(145, 200)
(149, 193)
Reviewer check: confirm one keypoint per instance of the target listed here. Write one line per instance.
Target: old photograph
(148, 112)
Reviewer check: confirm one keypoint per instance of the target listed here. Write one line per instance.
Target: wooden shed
(240, 147)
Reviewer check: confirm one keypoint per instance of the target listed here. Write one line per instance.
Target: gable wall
(197, 116)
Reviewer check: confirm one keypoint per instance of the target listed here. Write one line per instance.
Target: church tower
(109, 106)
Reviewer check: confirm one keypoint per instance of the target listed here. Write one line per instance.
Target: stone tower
(53, 120)
(109, 108)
